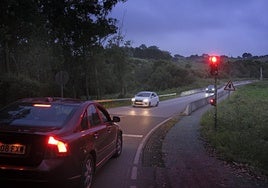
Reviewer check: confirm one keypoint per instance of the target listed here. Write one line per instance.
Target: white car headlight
(133, 99)
(145, 100)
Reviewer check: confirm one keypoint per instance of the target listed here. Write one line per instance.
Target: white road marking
(133, 135)
(144, 140)
(134, 173)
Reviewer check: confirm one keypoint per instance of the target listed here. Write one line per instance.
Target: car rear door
(99, 131)
(111, 136)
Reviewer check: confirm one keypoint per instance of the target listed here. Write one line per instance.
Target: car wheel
(88, 169)
(157, 103)
(119, 144)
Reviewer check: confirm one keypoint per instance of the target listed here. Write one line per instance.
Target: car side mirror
(116, 119)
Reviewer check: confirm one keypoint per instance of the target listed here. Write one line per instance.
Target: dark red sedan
(56, 141)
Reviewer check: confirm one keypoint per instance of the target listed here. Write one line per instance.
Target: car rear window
(43, 115)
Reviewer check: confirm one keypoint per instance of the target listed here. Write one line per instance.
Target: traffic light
(213, 101)
(214, 62)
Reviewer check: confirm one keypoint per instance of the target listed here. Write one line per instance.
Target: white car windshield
(143, 94)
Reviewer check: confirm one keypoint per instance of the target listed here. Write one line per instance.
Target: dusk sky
(190, 27)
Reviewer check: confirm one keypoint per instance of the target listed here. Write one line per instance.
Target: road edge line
(144, 140)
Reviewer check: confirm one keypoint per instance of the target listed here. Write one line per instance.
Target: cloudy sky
(190, 27)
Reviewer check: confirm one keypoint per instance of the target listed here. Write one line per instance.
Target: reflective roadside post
(214, 62)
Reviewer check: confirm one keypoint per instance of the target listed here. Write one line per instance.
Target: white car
(145, 99)
(210, 89)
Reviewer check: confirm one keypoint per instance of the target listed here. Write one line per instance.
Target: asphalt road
(137, 124)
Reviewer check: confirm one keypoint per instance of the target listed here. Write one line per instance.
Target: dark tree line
(39, 38)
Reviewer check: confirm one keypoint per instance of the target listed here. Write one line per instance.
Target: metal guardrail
(128, 99)
(167, 95)
(190, 92)
(193, 105)
(112, 100)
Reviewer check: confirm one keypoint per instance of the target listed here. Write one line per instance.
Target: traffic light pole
(216, 97)
(214, 63)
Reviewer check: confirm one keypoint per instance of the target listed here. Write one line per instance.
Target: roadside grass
(242, 127)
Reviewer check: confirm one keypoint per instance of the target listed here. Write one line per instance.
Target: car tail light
(59, 147)
(42, 105)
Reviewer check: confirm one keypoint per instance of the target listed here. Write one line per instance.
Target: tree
(152, 52)
(246, 55)
(17, 21)
(49, 35)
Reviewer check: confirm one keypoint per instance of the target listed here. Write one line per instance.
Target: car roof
(146, 92)
(61, 101)
(57, 100)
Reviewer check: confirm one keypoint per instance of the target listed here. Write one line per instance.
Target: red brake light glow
(61, 146)
(42, 105)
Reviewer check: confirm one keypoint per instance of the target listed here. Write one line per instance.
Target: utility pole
(261, 76)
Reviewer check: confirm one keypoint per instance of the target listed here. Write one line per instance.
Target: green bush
(16, 87)
(242, 128)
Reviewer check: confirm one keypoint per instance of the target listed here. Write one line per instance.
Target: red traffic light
(214, 62)
(212, 101)
(214, 59)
